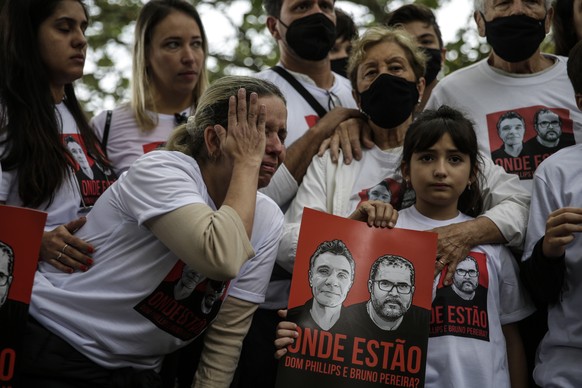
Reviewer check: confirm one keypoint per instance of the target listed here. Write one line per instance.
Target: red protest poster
(20, 237)
(361, 298)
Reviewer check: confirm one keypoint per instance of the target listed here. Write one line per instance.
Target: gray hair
(479, 5)
(335, 247)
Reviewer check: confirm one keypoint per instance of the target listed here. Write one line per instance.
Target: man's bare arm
(300, 153)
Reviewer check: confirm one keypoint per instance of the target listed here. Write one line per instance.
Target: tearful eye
(282, 136)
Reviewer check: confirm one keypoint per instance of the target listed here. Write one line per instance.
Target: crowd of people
(173, 219)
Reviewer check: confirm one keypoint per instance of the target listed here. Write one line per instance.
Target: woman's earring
(469, 185)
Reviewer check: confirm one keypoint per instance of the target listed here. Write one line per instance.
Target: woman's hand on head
(64, 251)
(286, 334)
(375, 213)
(245, 139)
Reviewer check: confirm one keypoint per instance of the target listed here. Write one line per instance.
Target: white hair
(479, 5)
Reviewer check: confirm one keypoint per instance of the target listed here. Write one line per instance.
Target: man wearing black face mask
(419, 20)
(516, 76)
(345, 32)
(305, 33)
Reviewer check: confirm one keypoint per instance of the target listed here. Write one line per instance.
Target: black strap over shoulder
(106, 130)
(301, 90)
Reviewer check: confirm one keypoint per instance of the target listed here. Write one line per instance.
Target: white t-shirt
(81, 188)
(486, 93)
(557, 184)
(123, 310)
(466, 346)
(126, 141)
(301, 116)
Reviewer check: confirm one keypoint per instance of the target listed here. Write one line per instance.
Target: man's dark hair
(273, 7)
(392, 261)
(509, 115)
(575, 67)
(543, 111)
(471, 258)
(345, 27)
(415, 13)
(336, 247)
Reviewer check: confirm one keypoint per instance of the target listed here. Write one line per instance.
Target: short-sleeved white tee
(122, 311)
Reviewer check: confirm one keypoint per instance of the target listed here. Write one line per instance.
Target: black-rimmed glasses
(463, 272)
(546, 124)
(4, 279)
(388, 286)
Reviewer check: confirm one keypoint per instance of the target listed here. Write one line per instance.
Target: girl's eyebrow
(72, 22)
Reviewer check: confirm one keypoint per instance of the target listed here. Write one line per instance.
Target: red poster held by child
(361, 298)
(20, 238)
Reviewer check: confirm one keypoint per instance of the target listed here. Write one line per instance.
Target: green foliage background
(110, 38)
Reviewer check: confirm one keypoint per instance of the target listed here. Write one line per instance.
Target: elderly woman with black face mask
(386, 70)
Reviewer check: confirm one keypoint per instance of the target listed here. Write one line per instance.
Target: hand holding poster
(20, 237)
(361, 298)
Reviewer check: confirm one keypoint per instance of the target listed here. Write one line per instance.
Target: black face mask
(389, 101)
(311, 37)
(340, 66)
(433, 65)
(515, 38)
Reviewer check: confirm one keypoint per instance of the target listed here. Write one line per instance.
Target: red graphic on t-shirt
(387, 190)
(311, 120)
(185, 303)
(151, 146)
(461, 308)
(520, 139)
(93, 177)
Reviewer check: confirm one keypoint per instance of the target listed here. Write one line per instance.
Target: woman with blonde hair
(193, 204)
(168, 78)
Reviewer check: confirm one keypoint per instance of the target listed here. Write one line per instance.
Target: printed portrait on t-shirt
(387, 190)
(152, 146)
(520, 139)
(184, 303)
(93, 178)
(461, 308)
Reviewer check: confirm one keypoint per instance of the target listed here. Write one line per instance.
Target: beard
(389, 309)
(468, 286)
(551, 136)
